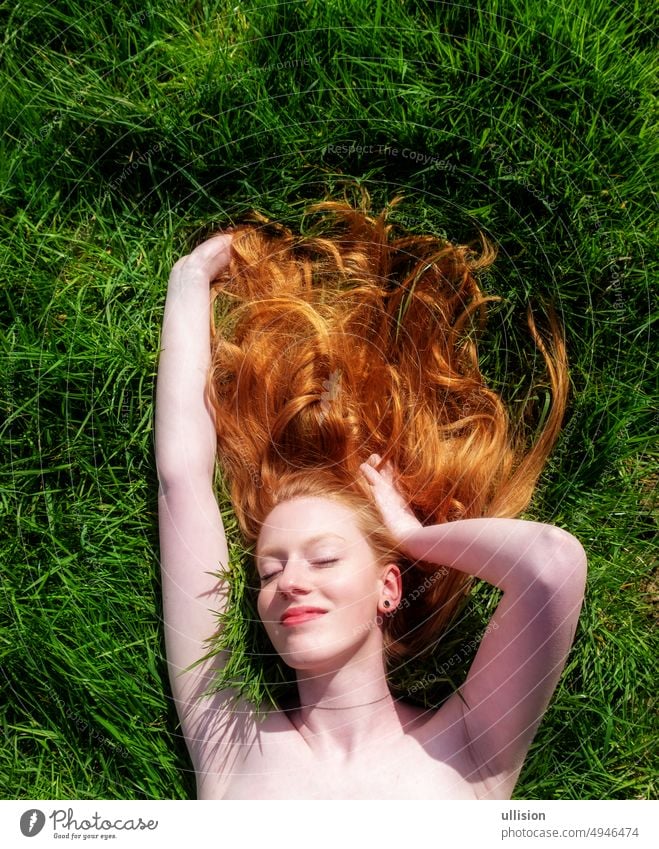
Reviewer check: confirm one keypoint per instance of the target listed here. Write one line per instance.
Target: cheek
(261, 604)
(352, 592)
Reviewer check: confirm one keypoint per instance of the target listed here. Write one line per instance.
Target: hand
(395, 511)
(208, 259)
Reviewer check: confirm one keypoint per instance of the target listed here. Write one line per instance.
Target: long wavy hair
(332, 346)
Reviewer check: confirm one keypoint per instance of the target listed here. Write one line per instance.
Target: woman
(376, 475)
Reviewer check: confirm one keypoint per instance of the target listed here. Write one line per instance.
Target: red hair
(332, 347)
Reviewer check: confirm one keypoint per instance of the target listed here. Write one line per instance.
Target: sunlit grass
(130, 131)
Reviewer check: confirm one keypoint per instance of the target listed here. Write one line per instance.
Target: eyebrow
(268, 553)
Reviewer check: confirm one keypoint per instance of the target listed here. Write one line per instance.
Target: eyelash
(265, 578)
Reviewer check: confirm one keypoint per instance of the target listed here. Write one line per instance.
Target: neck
(347, 709)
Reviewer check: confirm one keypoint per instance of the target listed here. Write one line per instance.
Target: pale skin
(372, 746)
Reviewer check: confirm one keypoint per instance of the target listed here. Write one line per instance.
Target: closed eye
(265, 578)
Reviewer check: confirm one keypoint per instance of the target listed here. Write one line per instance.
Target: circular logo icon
(32, 822)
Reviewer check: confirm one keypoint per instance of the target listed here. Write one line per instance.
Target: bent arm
(541, 570)
(503, 552)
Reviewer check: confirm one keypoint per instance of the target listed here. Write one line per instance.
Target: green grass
(127, 133)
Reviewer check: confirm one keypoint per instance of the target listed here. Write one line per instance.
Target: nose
(294, 577)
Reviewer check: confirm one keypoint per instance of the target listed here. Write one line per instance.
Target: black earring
(387, 603)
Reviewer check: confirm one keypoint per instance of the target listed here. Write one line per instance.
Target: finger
(212, 246)
(213, 255)
(372, 476)
(387, 471)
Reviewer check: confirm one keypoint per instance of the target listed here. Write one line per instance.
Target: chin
(323, 658)
(304, 656)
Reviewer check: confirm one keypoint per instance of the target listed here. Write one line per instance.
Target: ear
(392, 586)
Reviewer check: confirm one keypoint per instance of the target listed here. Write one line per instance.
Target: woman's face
(310, 553)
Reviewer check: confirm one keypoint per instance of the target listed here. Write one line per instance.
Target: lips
(300, 614)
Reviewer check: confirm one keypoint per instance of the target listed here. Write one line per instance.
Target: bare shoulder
(443, 734)
(225, 733)
(213, 728)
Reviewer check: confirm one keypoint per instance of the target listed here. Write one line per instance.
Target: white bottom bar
(625, 824)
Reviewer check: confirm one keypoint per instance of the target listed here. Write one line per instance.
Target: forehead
(307, 520)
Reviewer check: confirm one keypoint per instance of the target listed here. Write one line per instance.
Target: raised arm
(185, 433)
(542, 571)
(192, 539)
